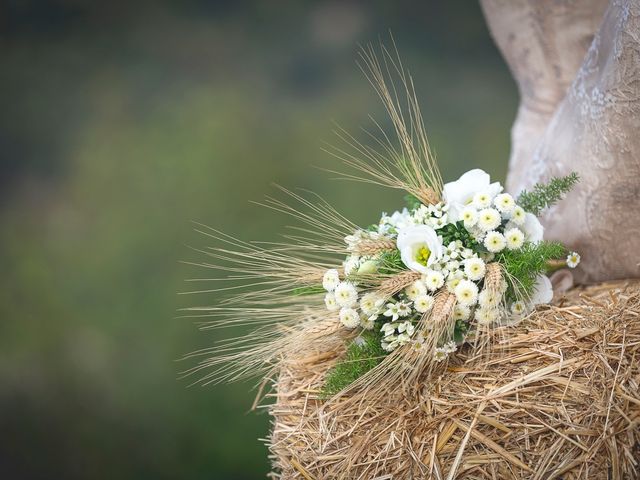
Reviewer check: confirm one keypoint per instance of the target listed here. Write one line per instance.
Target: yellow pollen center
(422, 255)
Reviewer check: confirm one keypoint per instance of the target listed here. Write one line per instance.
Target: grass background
(122, 123)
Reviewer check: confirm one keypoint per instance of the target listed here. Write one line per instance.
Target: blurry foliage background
(122, 123)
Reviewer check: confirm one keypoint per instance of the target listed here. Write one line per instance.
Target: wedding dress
(577, 66)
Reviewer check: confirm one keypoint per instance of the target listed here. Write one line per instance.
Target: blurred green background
(122, 123)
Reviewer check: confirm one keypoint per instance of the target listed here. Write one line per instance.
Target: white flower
(351, 264)
(330, 302)
(450, 347)
(349, 318)
(514, 238)
(440, 354)
(504, 203)
(486, 316)
(416, 289)
(494, 242)
(474, 268)
(466, 292)
(453, 282)
(461, 312)
(433, 280)
(346, 294)
(518, 308)
(489, 219)
(404, 309)
(330, 280)
(482, 200)
(419, 247)
(469, 216)
(367, 322)
(518, 214)
(406, 327)
(543, 291)
(460, 193)
(488, 299)
(370, 303)
(388, 329)
(573, 259)
(533, 229)
(423, 303)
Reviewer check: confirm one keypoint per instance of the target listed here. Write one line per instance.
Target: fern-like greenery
(362, 355)
(525, 264)
(308, 290)
(544, 195)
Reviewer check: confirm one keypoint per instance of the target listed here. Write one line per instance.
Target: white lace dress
(577, 65)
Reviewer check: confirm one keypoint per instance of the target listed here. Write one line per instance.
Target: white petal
(533, 229)
(462, 190)
(543, 291)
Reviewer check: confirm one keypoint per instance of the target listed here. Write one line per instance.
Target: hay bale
(557, 396)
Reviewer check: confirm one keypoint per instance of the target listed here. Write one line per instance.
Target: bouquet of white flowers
(460, 258)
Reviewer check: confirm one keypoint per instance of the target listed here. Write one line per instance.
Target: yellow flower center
(422, 255)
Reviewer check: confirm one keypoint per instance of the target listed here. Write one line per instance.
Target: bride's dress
(577, 65)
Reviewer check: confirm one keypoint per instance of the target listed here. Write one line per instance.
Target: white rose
(460, 193)
(419, 247)
(532, 228)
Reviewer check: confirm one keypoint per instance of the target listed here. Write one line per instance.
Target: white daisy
(518, 308)
(469, 216)
(495, 242)
(440, 354)
(423, 303)
(461, 312)
(349, 318)
(450, 347)
(486, 316)
(330, 302)
(474, 268)
(416, 289)
(518, 215)
(370, 303)
(573, 259)
(453, 281)
(346, 294)
(433, 280)
(514, 238)
(330, 280)
(504, 203)
(488, 299)
(351, 265)
(489, 219)
(404, 308)
(466, 292)
(481, 200)
(367, 322)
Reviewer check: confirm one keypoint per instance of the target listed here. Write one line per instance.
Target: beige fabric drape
(577, 66)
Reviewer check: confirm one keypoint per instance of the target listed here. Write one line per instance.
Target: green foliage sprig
(390, 263)
(456, 231)
(412, 202)
(544, 195)
(362, 355)
(525, 264)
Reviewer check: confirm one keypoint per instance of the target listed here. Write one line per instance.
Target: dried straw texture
(557, 397)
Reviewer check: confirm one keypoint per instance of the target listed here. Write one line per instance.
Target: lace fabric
(591, 127)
